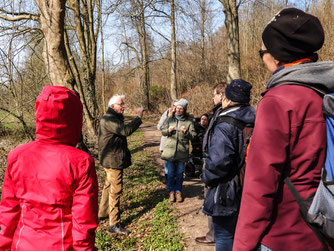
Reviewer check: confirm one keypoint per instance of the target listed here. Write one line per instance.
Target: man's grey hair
(113, 99)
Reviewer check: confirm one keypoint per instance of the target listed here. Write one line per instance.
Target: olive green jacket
(112, 143)
(176, 147)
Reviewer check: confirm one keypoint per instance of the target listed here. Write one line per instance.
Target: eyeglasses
(121, 104)
(262, 52)
(217, 94)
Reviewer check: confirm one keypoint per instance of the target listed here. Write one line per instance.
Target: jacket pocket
(209, 201)
(221, 200)
(228, 197)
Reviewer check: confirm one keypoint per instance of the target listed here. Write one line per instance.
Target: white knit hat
(182, 102)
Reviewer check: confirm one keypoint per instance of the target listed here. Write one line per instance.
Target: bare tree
(232, 29)
(52, 19)
(172, 41)
(103, 82)
(19, 85)
(145, 77)
(173, 79)
(84, 28)
(65, 65)
(203, 13)
(135, 12)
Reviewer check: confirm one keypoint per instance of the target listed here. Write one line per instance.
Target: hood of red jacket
(58, 116)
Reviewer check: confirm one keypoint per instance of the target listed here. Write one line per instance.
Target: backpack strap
(247, 129)
(246, 132)
(303, 211)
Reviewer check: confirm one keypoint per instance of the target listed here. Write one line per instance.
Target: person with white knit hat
(179, 130)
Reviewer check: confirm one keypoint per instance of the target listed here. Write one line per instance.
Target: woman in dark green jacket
(179, 131)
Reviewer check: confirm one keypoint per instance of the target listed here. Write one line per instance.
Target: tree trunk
(84, 27)
(202, 64)
(126, 42)
(145, 75)
(232, 29)
(103, 82)
(173, 82)
(52, 14)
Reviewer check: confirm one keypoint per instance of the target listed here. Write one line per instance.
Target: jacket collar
(216, 107)
(112, 112)
(317, 74)
(231, 109)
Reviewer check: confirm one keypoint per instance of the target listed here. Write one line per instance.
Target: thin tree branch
(159, 33)
(18, 16)
(134, 49)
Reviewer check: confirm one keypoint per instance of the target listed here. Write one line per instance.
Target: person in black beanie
(238, 91)
(223, 158)
(293, 35)
(289, 137)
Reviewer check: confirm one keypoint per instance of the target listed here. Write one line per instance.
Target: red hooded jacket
(50, 191)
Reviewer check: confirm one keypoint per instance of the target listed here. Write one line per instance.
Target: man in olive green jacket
(114, 156)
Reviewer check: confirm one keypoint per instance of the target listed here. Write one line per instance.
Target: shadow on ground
(140, 148)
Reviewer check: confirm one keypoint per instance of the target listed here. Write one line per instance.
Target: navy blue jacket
(224, 151)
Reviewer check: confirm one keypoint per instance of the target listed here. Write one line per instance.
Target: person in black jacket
(200, 128)
(224, 157)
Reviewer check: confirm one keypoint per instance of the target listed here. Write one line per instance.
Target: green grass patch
(15, 130)
(146, 211)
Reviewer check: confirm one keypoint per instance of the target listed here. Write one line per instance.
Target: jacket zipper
(216, 194)
(22, 210)
(62, 229)
(177, 137)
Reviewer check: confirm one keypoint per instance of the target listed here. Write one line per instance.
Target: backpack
(247, 130)
(318, 209)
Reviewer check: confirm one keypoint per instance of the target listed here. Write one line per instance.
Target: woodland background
(153, 51)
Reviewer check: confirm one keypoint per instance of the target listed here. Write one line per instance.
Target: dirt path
(192, 222)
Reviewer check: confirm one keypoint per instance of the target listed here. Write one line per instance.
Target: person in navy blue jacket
(224, 156)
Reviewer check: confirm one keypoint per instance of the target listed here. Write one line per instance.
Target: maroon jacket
(289, 139)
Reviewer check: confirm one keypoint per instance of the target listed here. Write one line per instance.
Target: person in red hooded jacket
(50, 191)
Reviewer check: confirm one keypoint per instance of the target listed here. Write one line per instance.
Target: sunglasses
(262, 52)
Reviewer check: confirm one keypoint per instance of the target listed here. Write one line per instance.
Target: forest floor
(192, 222)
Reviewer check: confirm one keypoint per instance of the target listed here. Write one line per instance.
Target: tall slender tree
(135, 12)
(84, 28)
(230, 8)
(173, 78)
(203, 14)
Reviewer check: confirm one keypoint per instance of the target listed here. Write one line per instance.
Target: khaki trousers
(111, 196)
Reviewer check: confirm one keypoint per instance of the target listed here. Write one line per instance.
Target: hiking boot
(179, 197)
(117, 229)
(203, 240)
(171, 197)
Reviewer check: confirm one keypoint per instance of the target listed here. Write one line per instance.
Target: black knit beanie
(293, 34)
(238, 91)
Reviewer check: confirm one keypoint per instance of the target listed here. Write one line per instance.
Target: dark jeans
(224, 227)
(210, 235)
(175, 170)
